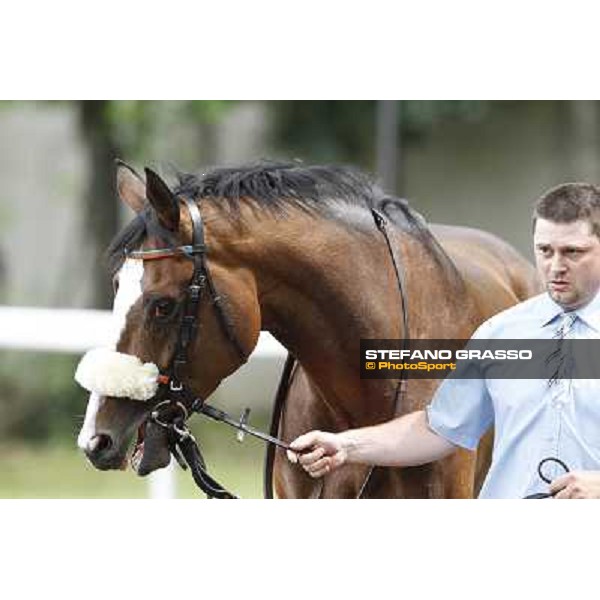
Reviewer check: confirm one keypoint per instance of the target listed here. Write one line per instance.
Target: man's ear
(130, 187)
(163, 200)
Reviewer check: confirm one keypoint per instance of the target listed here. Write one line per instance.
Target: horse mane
(278, 187)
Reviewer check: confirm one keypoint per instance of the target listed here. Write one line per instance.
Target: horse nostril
(99, 444)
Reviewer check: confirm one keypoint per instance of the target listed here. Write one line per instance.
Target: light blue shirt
(531, 419)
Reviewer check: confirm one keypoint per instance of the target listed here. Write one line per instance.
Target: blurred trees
(100, 207)
(334, 131)
(319, 131)
(113, 129)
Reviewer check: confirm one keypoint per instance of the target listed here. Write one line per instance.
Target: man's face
(568, 261)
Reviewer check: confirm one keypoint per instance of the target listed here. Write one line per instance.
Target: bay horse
(294, 250)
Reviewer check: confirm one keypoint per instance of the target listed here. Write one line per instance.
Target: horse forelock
(133, 235)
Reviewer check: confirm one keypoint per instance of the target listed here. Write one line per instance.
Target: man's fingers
(564, 494)
(561, 482)
(305, 441)
(319, 474)
(309, 458)
(306, 458)
(315, 474)
(311, 447)
(337, 460)
(318, 465)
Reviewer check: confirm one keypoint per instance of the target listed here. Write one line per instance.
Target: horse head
(160, 263)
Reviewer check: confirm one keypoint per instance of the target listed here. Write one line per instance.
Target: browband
(188, 251)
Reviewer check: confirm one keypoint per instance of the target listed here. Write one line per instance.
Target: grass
(60, 470)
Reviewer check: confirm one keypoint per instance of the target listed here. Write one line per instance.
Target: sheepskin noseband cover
(111, 373)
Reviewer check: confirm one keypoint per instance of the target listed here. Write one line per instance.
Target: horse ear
(163, 200)
(130, 186)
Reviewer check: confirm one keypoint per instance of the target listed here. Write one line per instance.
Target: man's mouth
(559, 285)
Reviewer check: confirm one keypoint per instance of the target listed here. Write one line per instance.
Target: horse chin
(151, 451)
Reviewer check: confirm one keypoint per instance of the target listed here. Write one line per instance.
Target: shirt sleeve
(461, 410)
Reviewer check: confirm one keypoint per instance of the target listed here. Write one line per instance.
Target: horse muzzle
(102, 452)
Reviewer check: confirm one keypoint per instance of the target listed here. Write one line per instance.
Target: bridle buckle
(241, 433)
(195, 291)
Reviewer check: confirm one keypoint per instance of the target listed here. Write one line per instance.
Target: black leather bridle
(174, 402)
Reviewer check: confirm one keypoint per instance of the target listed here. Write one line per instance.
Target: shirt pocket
(515, 395)
(586, 410)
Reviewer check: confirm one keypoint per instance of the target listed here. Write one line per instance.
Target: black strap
(381, 222)
(280, 398)
(211, 487)
(226, 324)
(199, 282)
(540, 470)
(200, 265)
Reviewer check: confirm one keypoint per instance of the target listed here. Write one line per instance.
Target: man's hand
(403, 442)
(577, 484)
(318, 452)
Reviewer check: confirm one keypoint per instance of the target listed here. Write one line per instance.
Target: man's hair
(570, 202)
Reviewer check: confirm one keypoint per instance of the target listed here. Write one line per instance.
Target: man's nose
(557, 265)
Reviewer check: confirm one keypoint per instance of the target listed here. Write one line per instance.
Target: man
(532, 419)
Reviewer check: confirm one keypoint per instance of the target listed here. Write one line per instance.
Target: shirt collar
(589, 314)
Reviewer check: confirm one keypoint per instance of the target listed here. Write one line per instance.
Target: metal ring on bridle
(156, 412)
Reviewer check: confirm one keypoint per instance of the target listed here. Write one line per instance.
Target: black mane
(278, 187)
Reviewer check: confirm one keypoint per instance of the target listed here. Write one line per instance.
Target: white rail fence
(75, 331)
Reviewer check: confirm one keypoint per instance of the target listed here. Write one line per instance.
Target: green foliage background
(42, 407)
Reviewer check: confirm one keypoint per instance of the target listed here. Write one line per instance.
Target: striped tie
(560, 359)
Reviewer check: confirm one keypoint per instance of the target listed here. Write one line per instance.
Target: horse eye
(163, 308)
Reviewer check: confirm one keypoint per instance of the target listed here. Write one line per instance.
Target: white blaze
(88, 429)
(130, 289)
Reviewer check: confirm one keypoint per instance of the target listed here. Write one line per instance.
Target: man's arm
(403, 442)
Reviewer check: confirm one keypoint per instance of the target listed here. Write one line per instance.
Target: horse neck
(322, 286)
